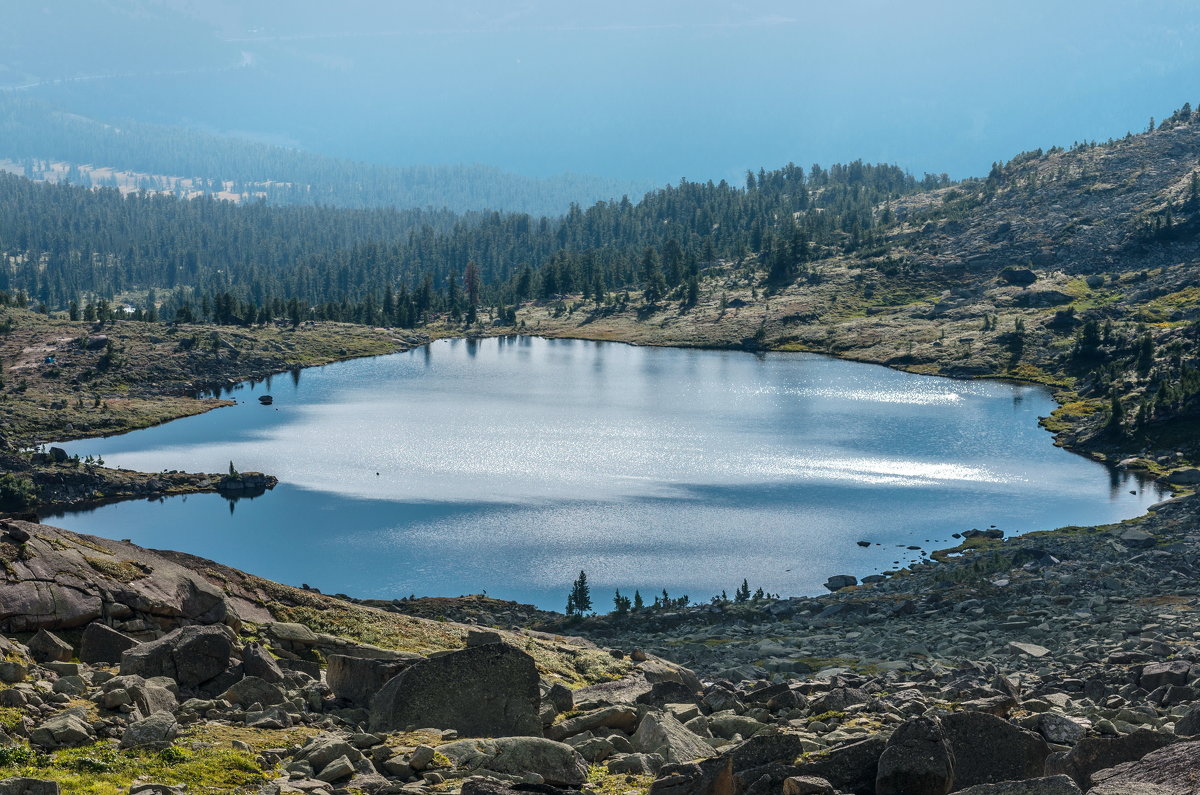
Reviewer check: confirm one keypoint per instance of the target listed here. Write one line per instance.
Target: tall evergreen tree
(579, 600)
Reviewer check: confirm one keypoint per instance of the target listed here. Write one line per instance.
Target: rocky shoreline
(58, 483)
(1065, 661)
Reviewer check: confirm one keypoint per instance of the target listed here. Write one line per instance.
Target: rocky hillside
(115, 653)
(1119, 206)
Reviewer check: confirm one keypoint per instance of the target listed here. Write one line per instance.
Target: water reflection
(510, 464)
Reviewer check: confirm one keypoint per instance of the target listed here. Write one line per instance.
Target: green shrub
(15, 755)
(173, 755)
(16, 492)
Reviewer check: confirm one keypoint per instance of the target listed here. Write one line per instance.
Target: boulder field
(1069, 669)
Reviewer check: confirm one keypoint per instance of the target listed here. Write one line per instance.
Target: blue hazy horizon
(679, 89)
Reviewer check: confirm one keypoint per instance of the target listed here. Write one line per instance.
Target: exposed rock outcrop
(63, 580)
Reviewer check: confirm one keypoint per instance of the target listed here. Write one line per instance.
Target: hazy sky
(650, 90)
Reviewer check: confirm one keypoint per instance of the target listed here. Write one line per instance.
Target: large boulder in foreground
(916, 761)
(1174, 769)
(481, 691)
(103, 644)
(988, 749)
(358, 679)
(1092, 754)
(660, 733)
(558, 763)
(189, 655)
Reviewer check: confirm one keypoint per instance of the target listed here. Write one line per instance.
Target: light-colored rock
(1028, 649)
(156, 731)
(54, 586)
(621, 718)
(336, 770)
(659, 733)
(65, 730)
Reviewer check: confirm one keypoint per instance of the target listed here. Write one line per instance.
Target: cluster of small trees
(742, 594)
(1142, 380)
(579, 599)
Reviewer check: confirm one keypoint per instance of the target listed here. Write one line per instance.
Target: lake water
(508, 465)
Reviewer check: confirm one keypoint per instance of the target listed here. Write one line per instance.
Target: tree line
(579, 599)
(212, 260)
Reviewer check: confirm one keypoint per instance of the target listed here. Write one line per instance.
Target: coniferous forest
(209, 259)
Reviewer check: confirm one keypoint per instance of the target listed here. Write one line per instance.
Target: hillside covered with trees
(69, 244)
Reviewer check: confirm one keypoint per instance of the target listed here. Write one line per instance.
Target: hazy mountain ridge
(51, 143)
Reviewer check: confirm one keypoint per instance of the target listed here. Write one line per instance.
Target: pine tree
(579, 601)
(652, 277)
(1116, 415)
(1145, 359)
(472, 283)
(638, 604)
(621, 603)
(742, 594)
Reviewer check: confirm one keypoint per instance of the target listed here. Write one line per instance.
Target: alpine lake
(508, 465)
